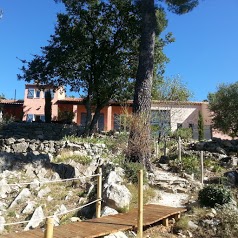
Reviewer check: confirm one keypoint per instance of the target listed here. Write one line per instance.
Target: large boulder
(37, 217)
(115, 194)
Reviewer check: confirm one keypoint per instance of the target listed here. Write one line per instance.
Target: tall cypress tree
(200, 127)
(48, 104)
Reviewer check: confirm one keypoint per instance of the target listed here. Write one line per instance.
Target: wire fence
(51, 181)
(98, 200)
(52, 216)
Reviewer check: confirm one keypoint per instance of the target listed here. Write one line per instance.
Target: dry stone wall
(35, 137)
(38, 131)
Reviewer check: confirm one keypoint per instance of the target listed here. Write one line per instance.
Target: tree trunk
(142, 93)
(88, 116)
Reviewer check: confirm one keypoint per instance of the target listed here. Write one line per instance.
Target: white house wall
(183, 114)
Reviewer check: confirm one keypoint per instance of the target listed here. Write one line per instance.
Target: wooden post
(99, 193)
(201, 163)
(157, 150)
(140, 205)
(179, 150)
(177, 216)
(165, 222)
(49, 227)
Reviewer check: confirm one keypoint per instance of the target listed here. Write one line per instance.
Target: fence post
(179, 149)
(49, 227)
(140, 205)
(201, 163)
(99, 193)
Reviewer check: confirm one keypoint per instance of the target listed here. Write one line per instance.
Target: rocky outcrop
(225, 147)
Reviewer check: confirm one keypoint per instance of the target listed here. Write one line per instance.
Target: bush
(183, 133)
(228, 218)
(214, 194)
(66, 116)
(131, 171)
(188, 164)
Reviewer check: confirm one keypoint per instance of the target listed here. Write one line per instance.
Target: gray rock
(61, 209)
(192, 225)
(4, 188)
(106, 211)
(25, 192)
(10, 141)
(29, 207)
(117, 196)
(43, 192)
(232, 177)
(2, 222)
(20, 147)
(36, 219)
(35, 185)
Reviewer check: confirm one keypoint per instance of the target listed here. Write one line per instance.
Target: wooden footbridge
(102, 226)
(135, 220)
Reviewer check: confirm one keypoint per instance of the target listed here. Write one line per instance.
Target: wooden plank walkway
(105, 225)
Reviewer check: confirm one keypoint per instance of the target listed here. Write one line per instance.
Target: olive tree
(224, 106)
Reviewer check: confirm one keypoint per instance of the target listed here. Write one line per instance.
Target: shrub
(183, 133)
(131, 171)
(188, 164)
(66, 116)
(214, 194)
(228, 226)
(200, 127)
(181, 224)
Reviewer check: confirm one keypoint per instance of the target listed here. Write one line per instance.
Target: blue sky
(204, 55)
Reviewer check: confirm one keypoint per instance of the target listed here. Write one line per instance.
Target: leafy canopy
(224, 105)
(170, 89)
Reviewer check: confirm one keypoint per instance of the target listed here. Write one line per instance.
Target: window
(30, 118)
(37, 93)
(83, 118)
(120, 122)
(100, 124)
(116, 122)
(160, 122)
(36, 118)
(30, 93)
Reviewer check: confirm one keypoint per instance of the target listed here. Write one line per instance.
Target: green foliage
(94, 50)
(170, 89)
(228, 217)
(188, 164)
(200, 127)
(224, 106)
(212, 165)
(64, 157)
(66, 116)
(2, 96)
(183, 133)
(181, 6)
(214, 194)
(148, 194)
(181, 224)
(131, 171)
(48, 110)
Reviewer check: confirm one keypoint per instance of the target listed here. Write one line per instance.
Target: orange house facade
(174, 114)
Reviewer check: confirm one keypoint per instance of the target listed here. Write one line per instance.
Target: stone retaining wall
(37, 131)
